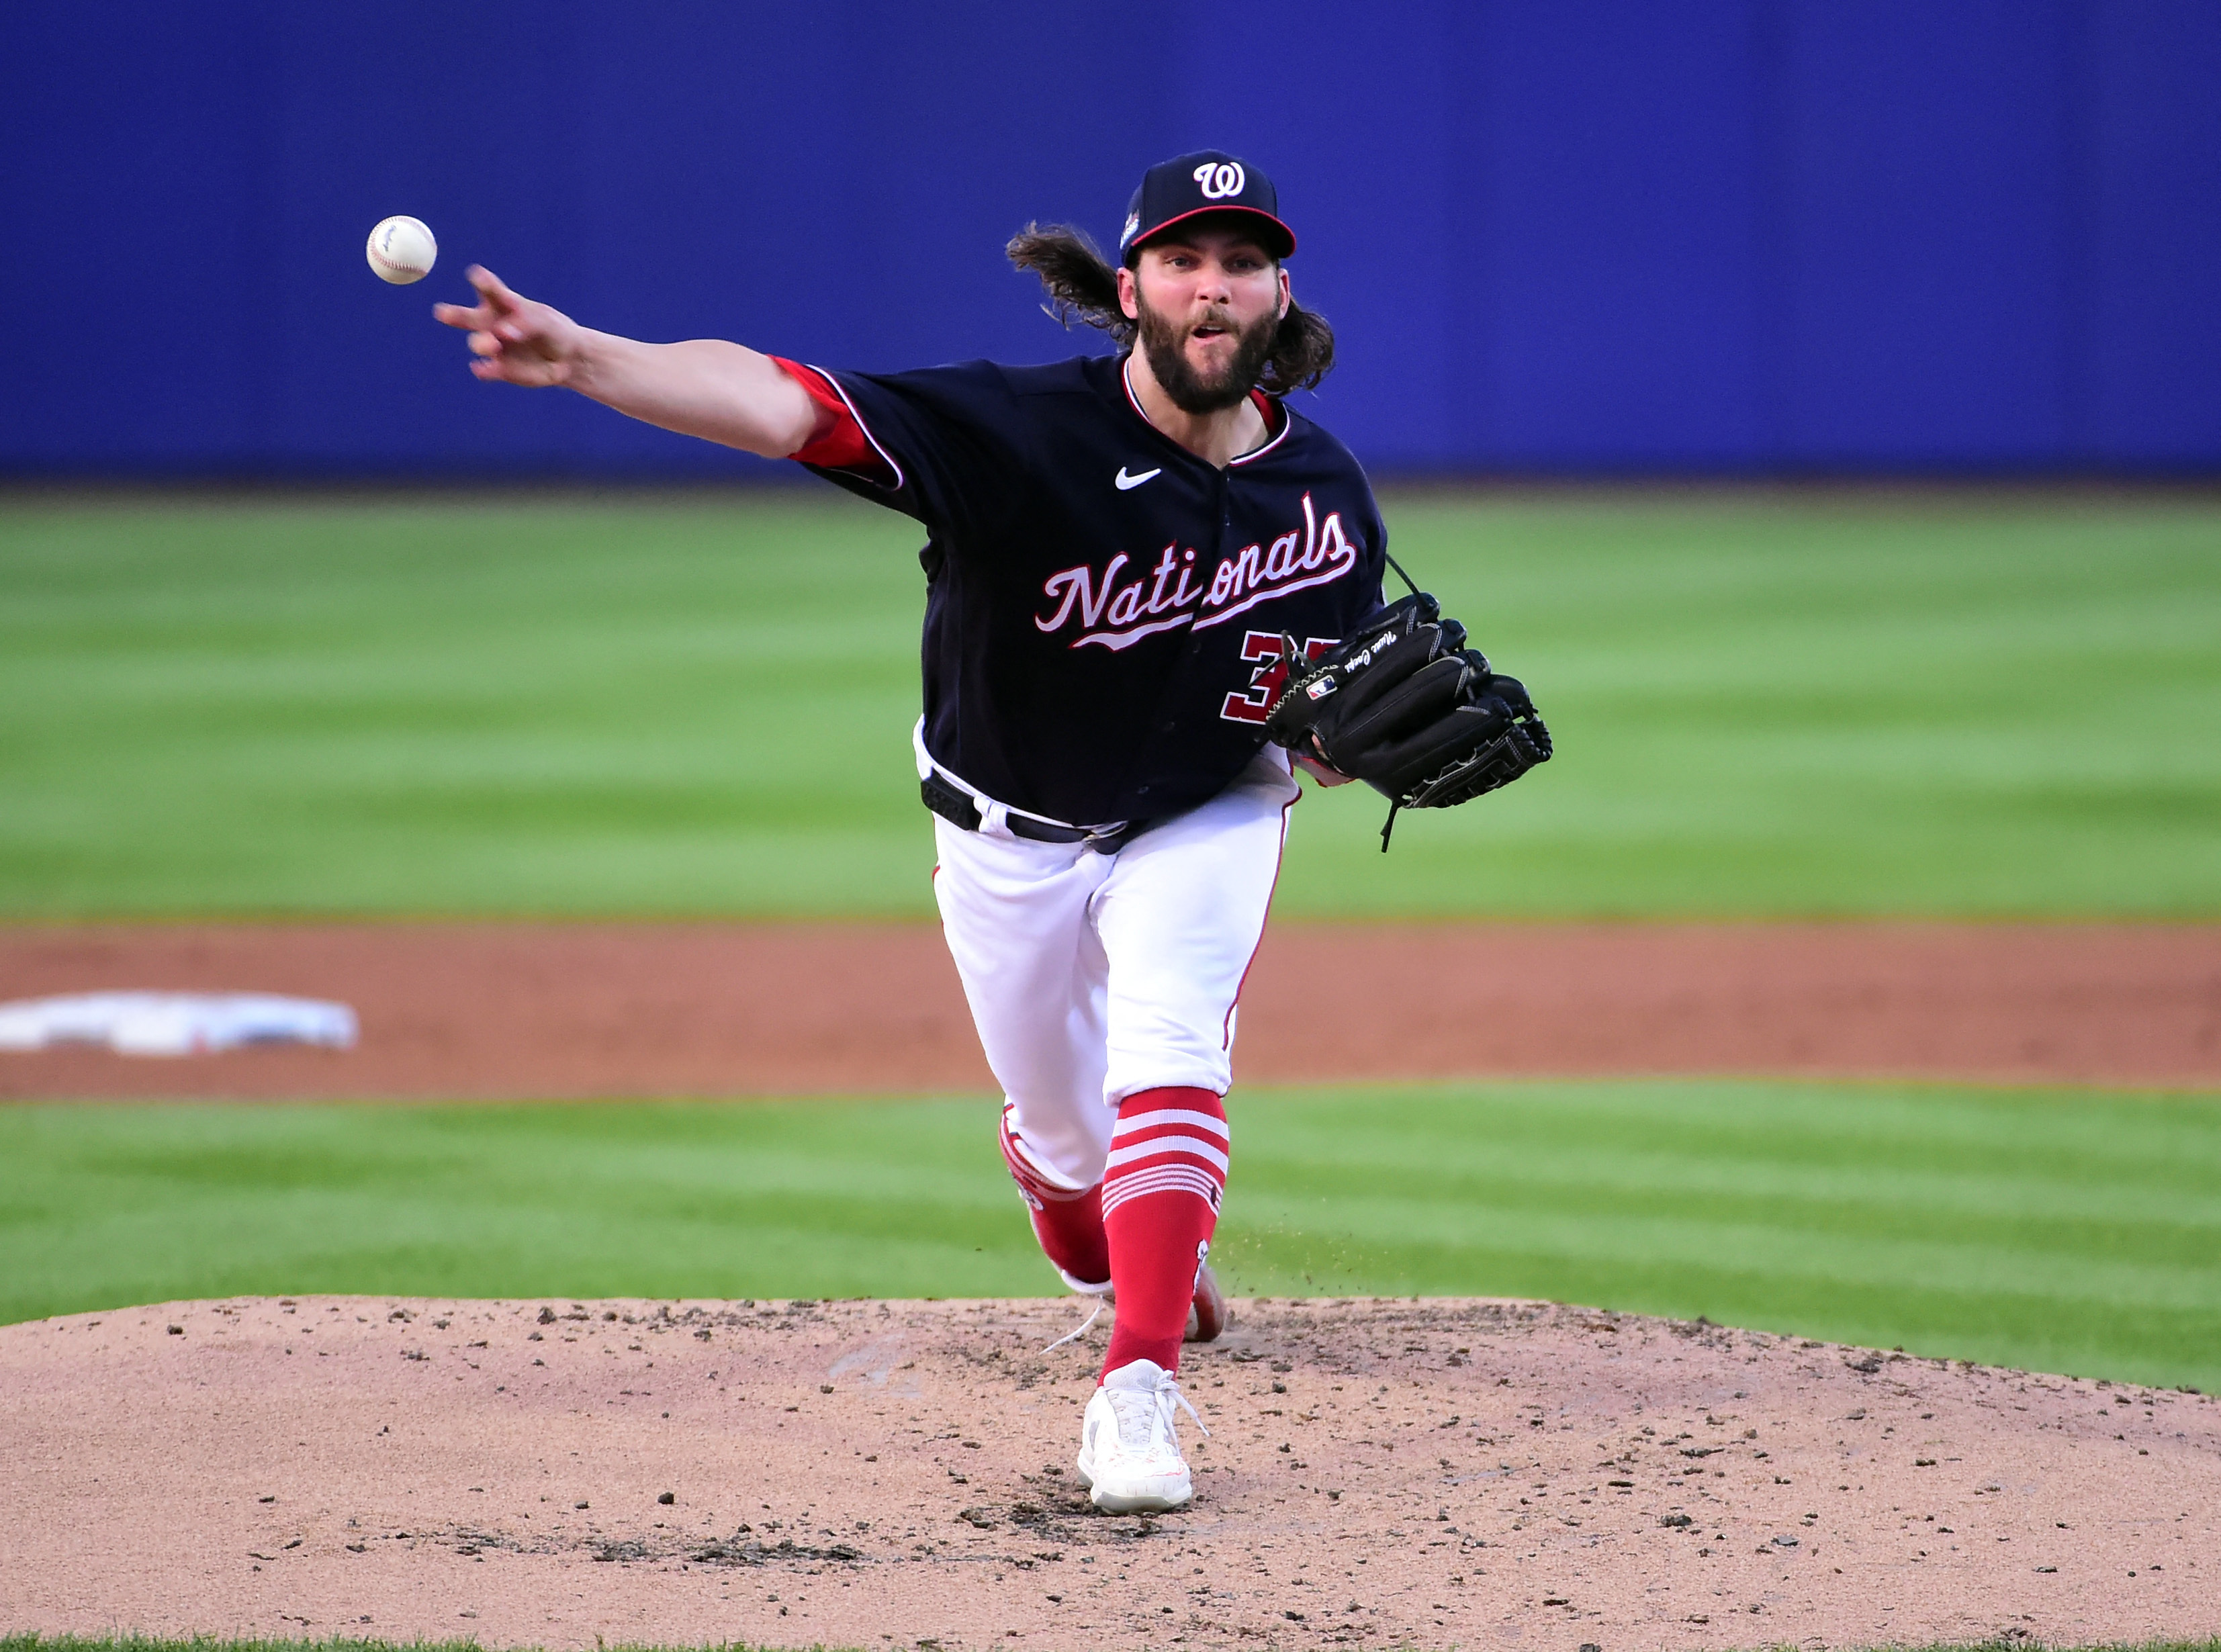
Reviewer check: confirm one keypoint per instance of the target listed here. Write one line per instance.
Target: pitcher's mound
(867, 1475)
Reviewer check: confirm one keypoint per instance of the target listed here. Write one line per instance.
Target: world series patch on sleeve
(1404, 706)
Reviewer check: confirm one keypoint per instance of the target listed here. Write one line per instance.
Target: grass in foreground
(2068, 1231)
(1764, 704)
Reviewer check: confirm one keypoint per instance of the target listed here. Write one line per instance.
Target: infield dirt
(641, 1010)
(868, 1475)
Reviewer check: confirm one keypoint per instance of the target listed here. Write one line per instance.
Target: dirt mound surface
(635, 1010)
(863, 1474)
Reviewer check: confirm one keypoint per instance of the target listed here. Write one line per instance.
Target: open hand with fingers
(516, 339)
(710, 388)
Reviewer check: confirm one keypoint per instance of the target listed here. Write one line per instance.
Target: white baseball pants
(1093, 976)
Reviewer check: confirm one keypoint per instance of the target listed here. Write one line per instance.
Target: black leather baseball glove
(1406, 707)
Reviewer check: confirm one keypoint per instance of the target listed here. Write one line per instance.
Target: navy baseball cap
(1206, 181)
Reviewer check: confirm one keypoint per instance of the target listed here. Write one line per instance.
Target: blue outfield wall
(1555, 236)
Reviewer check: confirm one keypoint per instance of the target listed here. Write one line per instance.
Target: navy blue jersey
(1104, 609)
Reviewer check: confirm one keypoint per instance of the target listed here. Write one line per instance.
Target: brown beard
(1160, 341)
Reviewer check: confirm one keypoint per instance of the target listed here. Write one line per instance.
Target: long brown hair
(1083, 287)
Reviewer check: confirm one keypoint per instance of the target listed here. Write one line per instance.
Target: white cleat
(1129, 1454)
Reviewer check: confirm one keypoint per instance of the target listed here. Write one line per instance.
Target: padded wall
(1583, 236)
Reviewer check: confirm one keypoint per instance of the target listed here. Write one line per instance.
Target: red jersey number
(1265, 649)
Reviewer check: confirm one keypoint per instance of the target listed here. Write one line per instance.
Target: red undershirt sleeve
(844, 447)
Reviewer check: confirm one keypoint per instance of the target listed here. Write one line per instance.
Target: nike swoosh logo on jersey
(1126, 482)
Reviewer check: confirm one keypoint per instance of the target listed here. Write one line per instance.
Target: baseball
(401, 250)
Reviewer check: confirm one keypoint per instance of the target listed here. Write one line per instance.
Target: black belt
(961, 810)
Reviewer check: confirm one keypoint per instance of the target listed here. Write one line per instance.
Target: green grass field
(1766, 704)
(2061, 1231)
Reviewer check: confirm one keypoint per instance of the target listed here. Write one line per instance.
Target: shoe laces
(1127, 1405)
(1171, 1386)
(1085, 1325)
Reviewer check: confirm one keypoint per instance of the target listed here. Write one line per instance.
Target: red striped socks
(1069, 1225)
(1160, 1199)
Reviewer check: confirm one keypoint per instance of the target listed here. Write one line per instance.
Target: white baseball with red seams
(402, 250)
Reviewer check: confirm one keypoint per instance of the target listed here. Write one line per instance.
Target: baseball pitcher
(1153, 588)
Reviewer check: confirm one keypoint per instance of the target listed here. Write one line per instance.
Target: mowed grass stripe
(1980, 705)
(2062, 1231)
